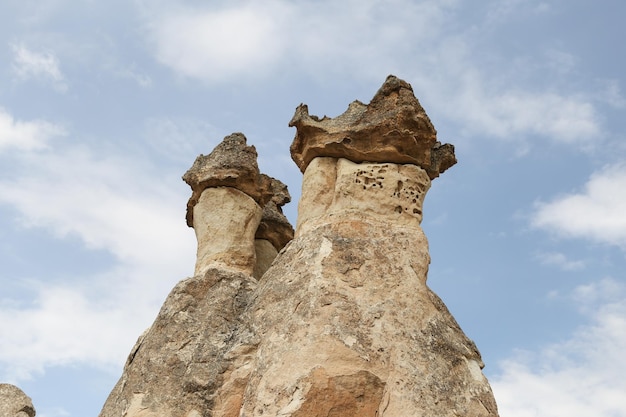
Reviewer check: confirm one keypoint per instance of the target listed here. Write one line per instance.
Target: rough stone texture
(14, 403)
(231, 164)
(346, 323)
(342, 323)
(334, 186)
(393, 127)
(274, 225)
(176, 367)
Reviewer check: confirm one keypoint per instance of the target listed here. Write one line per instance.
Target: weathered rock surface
(14, 403)
(274, 225)
(347, 324)
(393, 127)
(274, 231)
(231, 164)
(336, 322)
(177, 366)
(337, 186)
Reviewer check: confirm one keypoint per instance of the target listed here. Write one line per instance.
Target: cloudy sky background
(104, 105)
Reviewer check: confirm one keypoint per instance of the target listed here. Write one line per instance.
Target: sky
(104, 105)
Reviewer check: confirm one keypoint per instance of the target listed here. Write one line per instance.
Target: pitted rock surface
(393, 127)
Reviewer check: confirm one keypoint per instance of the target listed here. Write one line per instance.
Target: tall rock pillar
(346, 323)
(339, 321)
(178, 364)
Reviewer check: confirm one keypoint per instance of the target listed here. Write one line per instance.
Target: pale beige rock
(341, 322)
(14, 403)
(265, 255)
(349, 326)
(334, 186)
(178, 365)
(225, 221)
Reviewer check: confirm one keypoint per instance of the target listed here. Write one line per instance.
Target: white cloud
(596, 213)
(368, 40)
(580, 377)
(109, 201)
(28, 64)
(256, 39)
(610, 92)
(513, 114)
(115, 203)
(26, 135)
(561, 261)
(217, 44)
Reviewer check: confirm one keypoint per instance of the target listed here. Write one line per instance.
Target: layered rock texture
(14, 403)
(337, 321)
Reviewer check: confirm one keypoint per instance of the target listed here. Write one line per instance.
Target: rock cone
(340, 322)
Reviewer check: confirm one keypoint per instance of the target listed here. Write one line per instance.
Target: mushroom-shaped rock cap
(393, 127)
(231, 164)
(274, 226)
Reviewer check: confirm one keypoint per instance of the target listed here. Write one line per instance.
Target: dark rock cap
(231, 164)
(274, 226)
(393, 127)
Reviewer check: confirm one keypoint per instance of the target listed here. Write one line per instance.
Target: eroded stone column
(337, 187)
(349, 326)
(179, 365)
(274, 231)
(225, 209)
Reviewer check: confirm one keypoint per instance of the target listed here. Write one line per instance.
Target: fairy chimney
(334, 320)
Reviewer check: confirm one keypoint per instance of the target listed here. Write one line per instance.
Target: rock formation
(14, 403)
(338, 321)
(178, 365)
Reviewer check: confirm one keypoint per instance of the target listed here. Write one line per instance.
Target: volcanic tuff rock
(231, 164)
(393, 127)
(177, 366)
(341, 322)
(14, 403)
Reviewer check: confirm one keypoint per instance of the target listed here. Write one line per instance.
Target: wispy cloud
(216, 44)
(596, 212)
(112, 202)
(28, 64)
(142, 79)
(247, 39)
(561, 261)
(579, 377)
(512, 114)
(26, 135)
(368, 40)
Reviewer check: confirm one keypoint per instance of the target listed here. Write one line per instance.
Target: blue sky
(104, 105)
